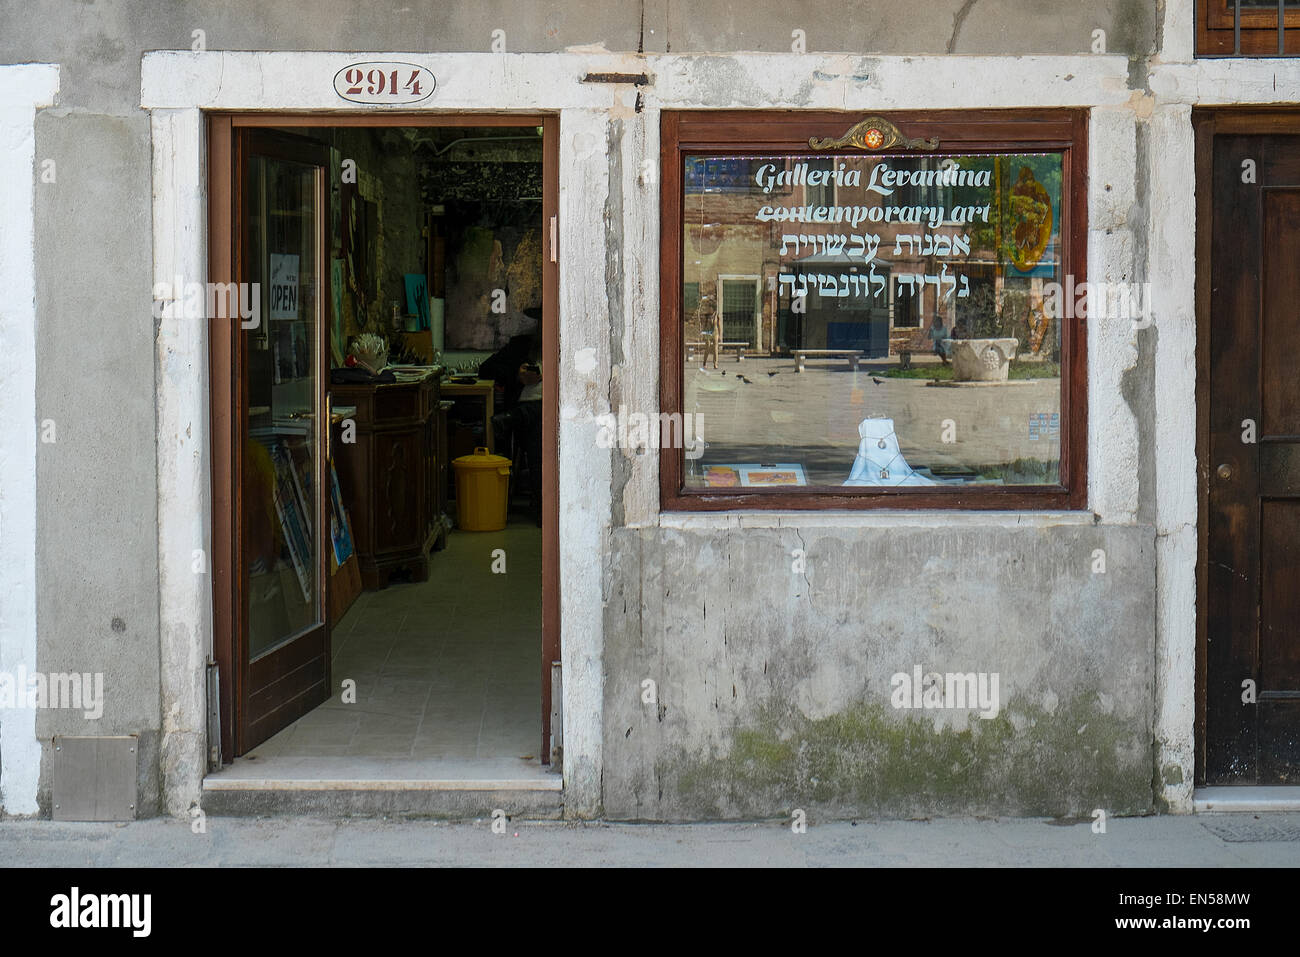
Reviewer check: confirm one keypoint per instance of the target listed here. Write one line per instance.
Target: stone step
(461, 800)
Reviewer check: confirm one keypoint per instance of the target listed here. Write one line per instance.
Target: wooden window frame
(1216, 35)
(958, 131)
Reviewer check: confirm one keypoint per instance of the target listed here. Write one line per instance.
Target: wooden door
(1250, 461)
(231, 139)
(282, 492)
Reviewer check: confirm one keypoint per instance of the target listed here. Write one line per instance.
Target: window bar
(1236, 27)
(1281, 27)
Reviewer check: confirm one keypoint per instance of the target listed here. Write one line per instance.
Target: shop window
(899, 305)
(1254, 28)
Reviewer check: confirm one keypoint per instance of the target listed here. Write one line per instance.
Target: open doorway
(371, 620)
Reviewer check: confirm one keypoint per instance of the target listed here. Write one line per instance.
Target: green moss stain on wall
(869, 760)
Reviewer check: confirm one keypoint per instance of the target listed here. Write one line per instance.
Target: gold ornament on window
(874, 133)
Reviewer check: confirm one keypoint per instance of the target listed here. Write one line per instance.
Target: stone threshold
(447, 788)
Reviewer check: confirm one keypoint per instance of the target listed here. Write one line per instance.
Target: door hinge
(557, 718)
(214, 716)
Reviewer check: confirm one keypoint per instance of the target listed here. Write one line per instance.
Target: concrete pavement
(1202, 840)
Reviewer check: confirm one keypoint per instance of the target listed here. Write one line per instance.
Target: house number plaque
(384, 82)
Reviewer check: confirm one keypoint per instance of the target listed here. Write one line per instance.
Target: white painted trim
(585, 502)
(1178, 33)
(234, 80)
(1171, 269)
(1229, 81)
(874, 518)
(24, 89)
(184, 468)
(1112, 437)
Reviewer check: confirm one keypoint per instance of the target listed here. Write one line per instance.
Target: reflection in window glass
(894, 314)
(280, 497)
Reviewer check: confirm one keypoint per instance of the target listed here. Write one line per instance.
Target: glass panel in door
(281, 494)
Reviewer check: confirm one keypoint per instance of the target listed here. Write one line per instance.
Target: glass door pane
(281, 504)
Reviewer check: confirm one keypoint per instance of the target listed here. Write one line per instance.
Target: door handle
(1225, 471)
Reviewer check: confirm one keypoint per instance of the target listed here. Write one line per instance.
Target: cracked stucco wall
(771, 683)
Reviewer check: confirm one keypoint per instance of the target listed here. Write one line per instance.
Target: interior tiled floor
(448, 671)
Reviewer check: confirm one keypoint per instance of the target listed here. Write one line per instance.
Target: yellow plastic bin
(482, 491)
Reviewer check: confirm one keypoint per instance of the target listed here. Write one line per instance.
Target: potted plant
(993, 335)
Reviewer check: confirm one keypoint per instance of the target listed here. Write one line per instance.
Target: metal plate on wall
(95, 778)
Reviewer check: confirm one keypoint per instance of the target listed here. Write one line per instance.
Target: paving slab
(1171, 841)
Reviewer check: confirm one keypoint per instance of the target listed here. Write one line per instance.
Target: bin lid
(481, 459)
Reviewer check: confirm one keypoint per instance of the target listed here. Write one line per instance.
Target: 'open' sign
(384, 82)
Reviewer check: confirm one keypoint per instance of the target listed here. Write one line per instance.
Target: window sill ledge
(876, 518)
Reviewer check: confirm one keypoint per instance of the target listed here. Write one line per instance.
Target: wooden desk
(485, 388)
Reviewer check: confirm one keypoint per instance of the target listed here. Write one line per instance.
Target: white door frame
(176, 88)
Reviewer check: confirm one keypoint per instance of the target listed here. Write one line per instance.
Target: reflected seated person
(517, 368)
(938, 334)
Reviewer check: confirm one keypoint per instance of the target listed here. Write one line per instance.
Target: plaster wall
(745, 683)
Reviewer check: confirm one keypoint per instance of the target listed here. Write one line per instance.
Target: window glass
(895, 315)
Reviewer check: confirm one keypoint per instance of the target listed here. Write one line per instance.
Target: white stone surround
(24, 89)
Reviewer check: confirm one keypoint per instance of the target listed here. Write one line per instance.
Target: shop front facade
(869, 578)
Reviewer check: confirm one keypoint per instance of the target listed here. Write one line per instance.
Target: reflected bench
(740, 347)
(802, 355)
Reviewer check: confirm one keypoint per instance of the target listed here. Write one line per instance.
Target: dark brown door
(283, 655)
(1251, 460)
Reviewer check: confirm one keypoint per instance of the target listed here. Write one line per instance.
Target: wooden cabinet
(390, 476)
